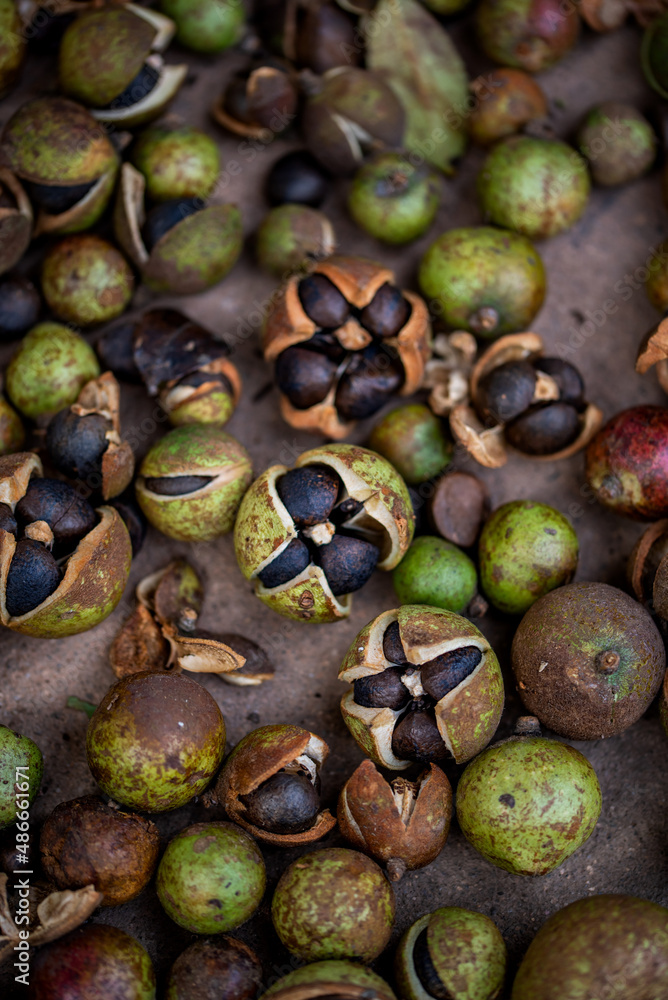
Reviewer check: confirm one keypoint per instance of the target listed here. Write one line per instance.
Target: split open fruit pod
(331, 978)
(65, 161)
(16, 220)
(426, 687)
(63, 566)
(310, 536)
(345, 339)
(523, 400)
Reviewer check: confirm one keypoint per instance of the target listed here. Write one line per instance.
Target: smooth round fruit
(211, 878)
(588, 660)
(528, 803)
(618, 143)
(484, 280)
(525, 550)
(49, 369)
(333, 903)
(18, 788)
(627, 463)
(393, 200)
(292, 237)
(602, 946)
(155, 741)
(218, 968)
(411, 438)
(176, 162)
(86, 280)
(507, 100)
(527, 34)
(538, 187)
(437, 573)
(206, 25)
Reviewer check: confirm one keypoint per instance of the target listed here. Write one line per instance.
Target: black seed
(346, 510)
(323, 302)
(133, 517)
(20, 305)
(45, 32)
(416, 737)
(165, 216)
(69, 516)
(115, 349)
(383, 690)
(174, 486)
(347, 563)
(235, 100)
(568, 379)
(33, 575)
(507, 800)
(393, 647)
(387, 312)
(137, 89)
(327, 344)
(297, 177)
(542, 430)
(446, 671)
(7, 520)
(304, 376)
(76, 444)
(506, 391)
(371, 378)
(285, 803)
(309, 494)
(425, 970)
(292, 561)
(167, 346)
(54, 199)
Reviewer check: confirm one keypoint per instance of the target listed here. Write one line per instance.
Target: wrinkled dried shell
(467, 716)
(637, 564)
(103, 396)
(139, 646)
(15, 223)
(151, 106)
(188, 404)
(85, 213)
(220, 115)
(256, 758)
(486, 444)
(653, 351)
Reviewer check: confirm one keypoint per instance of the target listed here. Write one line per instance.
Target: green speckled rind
(49, 369)
(436, 573)
(197, 253)
(211, 878)
(86, 280)
(608, 946)
(12, 433)
(479, 267)
(206, 25)
(309, 600)
(394, 216)
(176, 162)
(412, 439)
(525, 550)
(54, 141)
(526, 34)
(333, 971)
(262, 526)
(333, 903)
(528, 803)
(565, 632)
(212, 408)
(17, 751)
(12, 44)
(89, 209)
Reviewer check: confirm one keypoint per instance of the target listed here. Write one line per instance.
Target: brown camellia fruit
(85, 842)
(217, 968)
(588, 660)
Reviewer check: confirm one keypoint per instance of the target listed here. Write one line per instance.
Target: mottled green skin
(12, 44)
(446, 7)
(211, 878)
(538, 187)
(525, 550)
(467, 952)
(333, 971)
(91, 207)
(17, 751)
(654, 54)
(197, 252)
(656, 285)
(571, 630)
(609, 946)
(206, 25)
(214, 408)
(437, 573)
(12, 433)
(140, 755)
(528, 34)
(52, 140)
(392, 200)
(86, 280)
(553, 806)
(195, 450)
(176, 162)
(333, 903)
(618, 142)
(291, 236)
(478, 267)
(49, 369)
(412, 439)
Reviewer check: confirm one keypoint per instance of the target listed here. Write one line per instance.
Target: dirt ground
(593, 263)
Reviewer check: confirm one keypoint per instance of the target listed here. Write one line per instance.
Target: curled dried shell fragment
(653, 352)
(647, 569)
(16, 220)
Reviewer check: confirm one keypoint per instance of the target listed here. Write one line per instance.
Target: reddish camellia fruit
(627, 463)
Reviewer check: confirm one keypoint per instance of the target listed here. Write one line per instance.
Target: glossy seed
(7, 520)
(304, 376)
(446, 671)
(543, 430)
(568, 379)
(387, 312)
(69, 516)
(309, 494)
(165, 216)
(323, 302)
(416, 737)
(505, 392)
(174, 486)
(292, 561)
(372, 376)
(347, 563)
(297, 177)
(345, 511)
(20, 305)
(285, 803)
(33, 575)
(138, 88)
(383, 690)
(55, 199)
(76, 445)
(393, 647)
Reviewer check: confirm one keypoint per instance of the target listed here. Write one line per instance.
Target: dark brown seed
(218, 968)
(174, 486)
(372, 376)
(457, 508)
(543, 430)
(425, 970)
(505, 392)
(345, 511)
(132, 515)
(446, 671)
(20, 305)
(323, 302)
(416, 737)
(56, 199)
(115, 349)
(383, 690)
(292, 561)
(285, 803)
(33, 576)
(348, 563)
(326, 38)
(309, 494)
(568, 379)
(7, 520)
(76, 445)
(165, 216)
(304, 376)
(387, 313)
(68, 515)
(168, 346)
(392, 645)
(297, 177)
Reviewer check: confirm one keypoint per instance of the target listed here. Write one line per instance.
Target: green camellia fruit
(411, 438)
(177, 162)
(49, 369)
(291, 237)
(21, 767)
(393, 200)
(437, 573)
(618, 142)
(206, 25)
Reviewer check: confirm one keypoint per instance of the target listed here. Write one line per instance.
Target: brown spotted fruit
(527, 34)
(331, 977)
(588, 660)
(527, 803)
(426, 687)
(221, 967)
